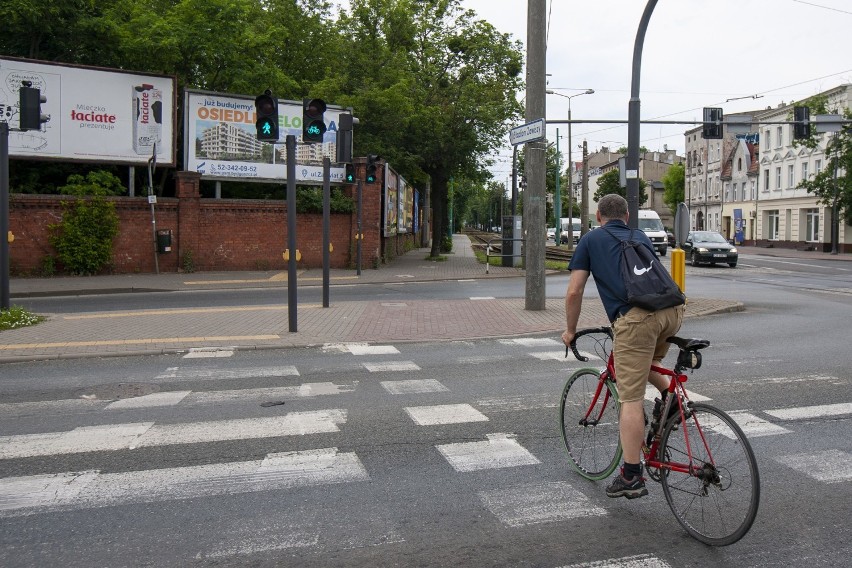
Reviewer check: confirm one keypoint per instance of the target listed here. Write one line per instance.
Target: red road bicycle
(699, 454)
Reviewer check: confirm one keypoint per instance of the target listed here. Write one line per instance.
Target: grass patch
(16, 316)
(498, 261)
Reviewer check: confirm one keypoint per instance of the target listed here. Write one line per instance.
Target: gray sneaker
(631, 488)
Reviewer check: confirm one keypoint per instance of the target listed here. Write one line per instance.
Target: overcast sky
(697, 53)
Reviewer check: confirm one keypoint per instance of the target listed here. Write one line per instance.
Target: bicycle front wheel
(717, 502)
(590, 425)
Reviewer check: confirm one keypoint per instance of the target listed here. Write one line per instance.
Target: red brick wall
(220, 234)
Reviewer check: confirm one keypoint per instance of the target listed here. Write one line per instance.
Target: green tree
(673, 182)
(623, 150)
(434, 87)
(835, 192)
(608, 183)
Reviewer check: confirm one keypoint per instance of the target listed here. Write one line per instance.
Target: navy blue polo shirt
(599, 253)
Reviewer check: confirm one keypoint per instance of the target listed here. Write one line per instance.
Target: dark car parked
(710, 247)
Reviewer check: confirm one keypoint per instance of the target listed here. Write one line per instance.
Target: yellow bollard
(678, 270)
(10, 237)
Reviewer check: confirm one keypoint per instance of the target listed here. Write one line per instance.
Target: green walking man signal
(266, 109)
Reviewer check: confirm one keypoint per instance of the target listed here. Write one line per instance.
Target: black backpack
(649, 285)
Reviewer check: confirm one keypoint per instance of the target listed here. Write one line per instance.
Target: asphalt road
(418, 454)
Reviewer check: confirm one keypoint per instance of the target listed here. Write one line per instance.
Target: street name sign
(529, 132)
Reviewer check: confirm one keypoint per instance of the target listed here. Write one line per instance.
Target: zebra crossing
(404, 380)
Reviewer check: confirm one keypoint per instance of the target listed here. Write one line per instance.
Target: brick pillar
(187, 191)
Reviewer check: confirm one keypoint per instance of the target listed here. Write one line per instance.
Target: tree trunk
(439, 213)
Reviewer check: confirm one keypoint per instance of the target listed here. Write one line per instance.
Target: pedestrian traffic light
(313, 122)
(30, 107)
(802, 124)
(712, 123)
(350, 173)
(371, 168)
(266, 111)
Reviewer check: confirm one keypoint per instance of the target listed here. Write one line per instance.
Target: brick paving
(259, 327)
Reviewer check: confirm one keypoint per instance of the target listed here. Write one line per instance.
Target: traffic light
(30, 107)
(266, 110)
(371, 168)
(313, 123)
(712, 123)
(350, 173)
(802, 124)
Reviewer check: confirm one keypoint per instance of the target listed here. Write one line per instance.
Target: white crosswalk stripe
(808, 412)
(40, 493)
(637, 561)
(216, 373)
(828, 466)
(499, 451)
(538, 503)
(141, 434)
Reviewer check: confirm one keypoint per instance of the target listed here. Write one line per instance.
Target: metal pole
(534, 196)
(584, 207)
(326, 227)
(4, 215)
(514, 180)
(291, 232)
(557, 198)
(570, 186)
(360, 234)
(633, 114)
(152, 163)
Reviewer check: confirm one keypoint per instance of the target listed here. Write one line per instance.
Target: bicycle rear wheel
(590, 434)
(718, 502)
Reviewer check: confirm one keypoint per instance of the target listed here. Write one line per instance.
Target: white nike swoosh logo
(640, 271)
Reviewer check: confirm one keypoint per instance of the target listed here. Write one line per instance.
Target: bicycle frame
(675, 386)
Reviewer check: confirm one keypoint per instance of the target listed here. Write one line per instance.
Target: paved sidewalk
(154, 330)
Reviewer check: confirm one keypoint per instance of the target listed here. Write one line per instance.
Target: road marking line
(208, 352)
(483, 298)
(158, 340)
(170, 398)
(520, 402)
(754, 427)
(638, 561)
(366, 349)
(208, 373)
(651, 393)
(414, 386)
(444, 414)
(91, 489)
(499, 451)
(114, 437)
(536, 504)
(806, 412)
(828, 466)
(395, 366)
(530, 341)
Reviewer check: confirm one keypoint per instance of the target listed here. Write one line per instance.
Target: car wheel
(663, 252)
(732, 264)
(694, 259)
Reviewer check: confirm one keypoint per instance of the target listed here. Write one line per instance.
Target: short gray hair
(613, 206)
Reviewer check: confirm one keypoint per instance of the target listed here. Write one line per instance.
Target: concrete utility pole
(633, 120)
(534, 196)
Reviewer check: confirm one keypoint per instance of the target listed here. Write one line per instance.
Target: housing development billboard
(221, 140)
(96, 115)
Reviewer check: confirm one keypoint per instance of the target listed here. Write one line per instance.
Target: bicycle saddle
(689, 344)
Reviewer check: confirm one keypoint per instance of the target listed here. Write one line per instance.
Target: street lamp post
(558, 205)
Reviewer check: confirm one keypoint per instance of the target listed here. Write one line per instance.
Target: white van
(649, 221)
(574, 224)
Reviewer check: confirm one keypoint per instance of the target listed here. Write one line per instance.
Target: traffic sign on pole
(529, 132)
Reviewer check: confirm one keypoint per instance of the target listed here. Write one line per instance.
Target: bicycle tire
(593, 450)
(718, 506)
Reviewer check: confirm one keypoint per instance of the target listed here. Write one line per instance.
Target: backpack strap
(630, 238)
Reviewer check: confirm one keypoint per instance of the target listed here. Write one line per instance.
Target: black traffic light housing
(371, 168)
(712, 123)
(313, 122)
(350, 174)
(266, 110)
(802, 124)
(30, 108)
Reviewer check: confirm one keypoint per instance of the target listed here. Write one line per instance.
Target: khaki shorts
(640, 339)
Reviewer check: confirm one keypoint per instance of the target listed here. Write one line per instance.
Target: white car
(551, 233)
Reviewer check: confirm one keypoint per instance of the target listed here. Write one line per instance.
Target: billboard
(96, 115)
(221, 140)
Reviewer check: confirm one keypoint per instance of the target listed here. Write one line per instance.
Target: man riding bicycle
(639, 335)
